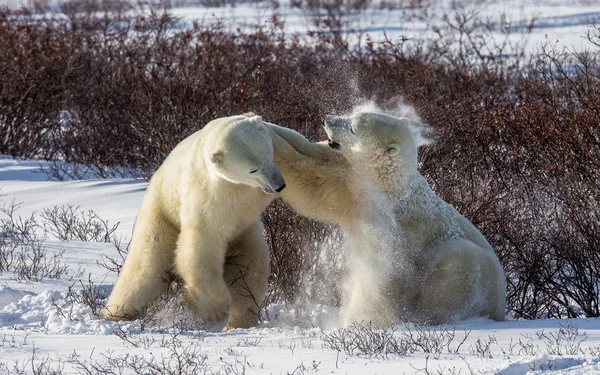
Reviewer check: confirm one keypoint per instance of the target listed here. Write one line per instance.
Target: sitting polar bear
(413, 256)
(201, 206)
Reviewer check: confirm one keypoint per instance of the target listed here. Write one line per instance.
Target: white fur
(201, 206)
(413, 257)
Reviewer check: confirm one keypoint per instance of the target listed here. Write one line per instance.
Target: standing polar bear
(201, 206)
(413, 256)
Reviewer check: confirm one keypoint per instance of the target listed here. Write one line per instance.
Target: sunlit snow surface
(40, 325)
(562, 23)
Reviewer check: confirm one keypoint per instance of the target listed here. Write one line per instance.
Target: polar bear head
(376, 142)
(239, 149)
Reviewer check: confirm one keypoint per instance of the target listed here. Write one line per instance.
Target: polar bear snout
(337, 124)
(339, 130)
(337, 121)
(273, 181)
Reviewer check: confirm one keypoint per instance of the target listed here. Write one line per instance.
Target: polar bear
(413, 257)
(201, 206)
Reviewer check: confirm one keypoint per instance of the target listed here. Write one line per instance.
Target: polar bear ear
(216, 157)
(257, 121)
(393, 149)
(249, 114)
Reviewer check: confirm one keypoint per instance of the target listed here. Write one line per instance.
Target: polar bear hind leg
(145, 273)
(464, 281)
(246, 271)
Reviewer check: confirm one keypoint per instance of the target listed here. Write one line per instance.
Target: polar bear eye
(217, 157)
(393, 149)
(254, 171)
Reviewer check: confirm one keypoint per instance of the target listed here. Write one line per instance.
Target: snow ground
(556, 21)
(43, 329)
(560, 22)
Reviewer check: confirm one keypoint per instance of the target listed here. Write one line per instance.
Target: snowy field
(46, 326)
(562, 23)
(555, 21)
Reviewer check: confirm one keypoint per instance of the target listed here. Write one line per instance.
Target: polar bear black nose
(280, 188)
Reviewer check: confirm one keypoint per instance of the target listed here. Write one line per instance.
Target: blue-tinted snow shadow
(567, 20)
(482, 324)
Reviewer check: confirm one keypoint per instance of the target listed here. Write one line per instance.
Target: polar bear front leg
(199, 262)
(368, 305)
(246, 271)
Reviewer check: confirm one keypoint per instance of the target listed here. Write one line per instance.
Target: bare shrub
(239, 280)
(35, 365)
(88, 294)
(303, 369)
(15, 231)
(114, 55)
(566, 340)
(8, 253)
(433, 340)
(365, 341)
(250, 342)
(180, 358)
(23, 252)
(68, 223)
(33, 263)
(305, 257)
(527, 346)
(115, 263)
(134, 338)
(361, 339)
(14, 227)
(482, 348)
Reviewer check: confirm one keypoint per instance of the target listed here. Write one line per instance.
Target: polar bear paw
(209, 303)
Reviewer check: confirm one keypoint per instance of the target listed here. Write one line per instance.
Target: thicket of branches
(516, 138)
